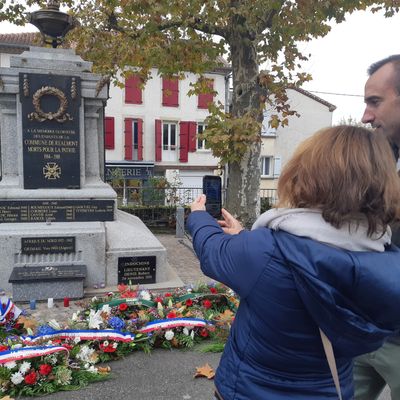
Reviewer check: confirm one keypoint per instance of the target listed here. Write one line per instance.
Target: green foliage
(229, 137)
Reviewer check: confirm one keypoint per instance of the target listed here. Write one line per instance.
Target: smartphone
(213, 192)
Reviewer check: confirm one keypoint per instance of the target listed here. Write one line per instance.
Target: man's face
(382, 101)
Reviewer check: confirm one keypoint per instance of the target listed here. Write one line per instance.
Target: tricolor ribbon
(93, 334)
(29, 352)
(173, 323)
(4, 310)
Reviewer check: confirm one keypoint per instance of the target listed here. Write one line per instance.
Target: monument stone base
(100, 246)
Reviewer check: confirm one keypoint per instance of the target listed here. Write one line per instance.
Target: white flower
(17, 378)
(10, 364)
(54, 324)
(74, 316)
(85, 354)
(95, 319)
(92, 369)
(105, 343)
(77, 339)
(52, 358)
(24, 367)
(106, 309)
(94, 298)
(145, 295)
(186, 331)
(170, 303)
(192, 334)
(115, 345)
(169, 335)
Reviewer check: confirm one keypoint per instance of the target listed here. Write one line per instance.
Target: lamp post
(52, 23)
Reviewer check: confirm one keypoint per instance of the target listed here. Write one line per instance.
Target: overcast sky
(339, 60)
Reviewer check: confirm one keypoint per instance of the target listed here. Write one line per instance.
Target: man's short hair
(393, 59)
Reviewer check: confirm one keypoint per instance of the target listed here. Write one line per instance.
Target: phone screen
(212, 190)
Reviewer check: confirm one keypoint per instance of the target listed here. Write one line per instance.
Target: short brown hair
(346, 172)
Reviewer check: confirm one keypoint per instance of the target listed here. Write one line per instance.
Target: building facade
(279, 144)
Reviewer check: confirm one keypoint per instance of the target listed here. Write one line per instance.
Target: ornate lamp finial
(52, 23)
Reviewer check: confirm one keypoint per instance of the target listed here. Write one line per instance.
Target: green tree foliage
(178, 36)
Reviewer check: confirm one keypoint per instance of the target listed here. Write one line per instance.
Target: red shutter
(158, 139)
(183, 141)
(170, 92)
(133, 91)
(140, 140)
(128, 138)
(205, 98)
(192, 136)
(109, 133)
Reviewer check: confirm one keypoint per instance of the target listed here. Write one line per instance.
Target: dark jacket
(289, 286)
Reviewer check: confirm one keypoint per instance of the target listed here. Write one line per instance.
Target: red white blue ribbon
(5, 308)
(28, 352)
(173, 323)
(93, 334)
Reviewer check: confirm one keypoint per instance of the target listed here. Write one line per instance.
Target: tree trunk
(243, 185)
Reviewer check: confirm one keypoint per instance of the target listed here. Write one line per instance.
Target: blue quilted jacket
(289, 286)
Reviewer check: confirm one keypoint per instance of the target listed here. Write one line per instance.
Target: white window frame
(263, 160)
(169, 147)
(266, 129)
(274, 166)
(201, 144)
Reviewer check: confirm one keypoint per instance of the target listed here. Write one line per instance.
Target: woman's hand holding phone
(230, 224)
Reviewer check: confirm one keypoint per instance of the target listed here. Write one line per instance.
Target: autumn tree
(178, 36)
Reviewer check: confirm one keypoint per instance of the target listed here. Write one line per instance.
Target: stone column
(9, 140)
(92, 155)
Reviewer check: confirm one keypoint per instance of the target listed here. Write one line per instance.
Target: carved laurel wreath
(39, 115)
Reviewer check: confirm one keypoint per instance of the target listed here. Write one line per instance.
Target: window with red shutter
(183, 141)
(170, 92)
(204, 99)
(133, 139)
(140, 140)
(158, 139)
(109, 133)
(133, 91)
(128, 139)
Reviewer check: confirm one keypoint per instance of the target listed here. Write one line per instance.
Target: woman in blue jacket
(321, 261)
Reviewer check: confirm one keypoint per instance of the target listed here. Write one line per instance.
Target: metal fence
(154, 196)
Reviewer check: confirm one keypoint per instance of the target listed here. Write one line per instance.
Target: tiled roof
(18, 42)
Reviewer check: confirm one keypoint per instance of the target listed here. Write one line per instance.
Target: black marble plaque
(21, 274)
(48, 245)
(137, 270)
(50, 130)
(56, 211)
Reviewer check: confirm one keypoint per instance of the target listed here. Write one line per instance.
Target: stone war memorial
(60, 229)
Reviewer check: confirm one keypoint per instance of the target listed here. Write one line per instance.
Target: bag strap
(331, 361)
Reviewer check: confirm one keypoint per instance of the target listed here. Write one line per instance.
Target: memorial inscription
(50, 130)
(56, 211)
(137, 270)
(48, 245)
(48, 273)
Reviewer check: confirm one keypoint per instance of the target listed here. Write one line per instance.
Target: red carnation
(45, 369)
(158, 299)
(189, 302)
(213, 290)
(172, 314)
(123, 306)
(31, 378)
(204, 332)
(207, 304)
(3, 348)
(167, 295)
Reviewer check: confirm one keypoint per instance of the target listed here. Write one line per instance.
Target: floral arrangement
(53, 359)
